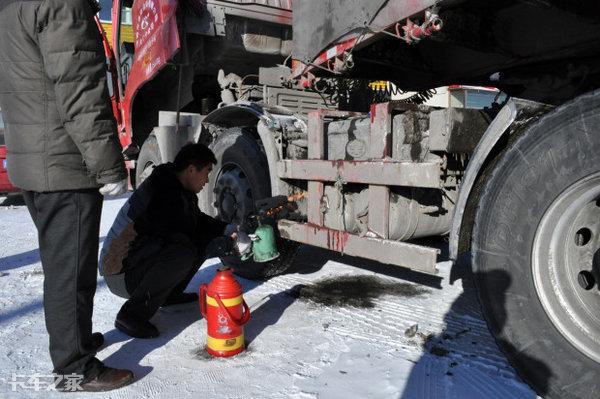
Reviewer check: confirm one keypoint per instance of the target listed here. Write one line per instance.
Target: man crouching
(158, 240)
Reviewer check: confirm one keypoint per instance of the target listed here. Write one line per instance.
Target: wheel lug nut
(586, 280)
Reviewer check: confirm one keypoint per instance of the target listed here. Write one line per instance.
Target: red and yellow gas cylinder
(226, 312)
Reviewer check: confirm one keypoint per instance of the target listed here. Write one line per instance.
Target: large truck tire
(240, 177)
(148, 159)
(536, 251)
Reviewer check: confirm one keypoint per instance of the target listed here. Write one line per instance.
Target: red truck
(285, 105)
(5, 184)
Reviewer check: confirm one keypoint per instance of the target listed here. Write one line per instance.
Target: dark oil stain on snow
(202, 354)
(357, 291)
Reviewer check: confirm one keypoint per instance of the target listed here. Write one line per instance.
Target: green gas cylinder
(264, 245)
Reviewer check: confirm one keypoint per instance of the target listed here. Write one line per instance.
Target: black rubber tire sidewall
(262, 271)
(238, 146)
(234, 146)
(558, 150)
(149, 155)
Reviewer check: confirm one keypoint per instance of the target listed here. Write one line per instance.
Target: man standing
(158, 240)
(62, 146)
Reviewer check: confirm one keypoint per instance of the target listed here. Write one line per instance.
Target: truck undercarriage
(515, 186)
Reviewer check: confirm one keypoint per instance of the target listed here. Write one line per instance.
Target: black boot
(97, 341)
(135, 326)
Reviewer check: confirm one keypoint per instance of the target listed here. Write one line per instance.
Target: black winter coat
(60, 130)
(172, 213)
(159, 212)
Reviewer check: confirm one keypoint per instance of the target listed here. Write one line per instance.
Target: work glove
(112, 189)
(243, 243)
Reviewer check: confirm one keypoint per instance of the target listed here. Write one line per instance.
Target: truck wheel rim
(233, 194)
(566, 264)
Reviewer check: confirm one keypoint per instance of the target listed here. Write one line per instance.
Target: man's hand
(112, 189)
(243, 242)
(231, 231)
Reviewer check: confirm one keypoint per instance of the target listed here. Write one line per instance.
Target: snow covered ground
(333, 327)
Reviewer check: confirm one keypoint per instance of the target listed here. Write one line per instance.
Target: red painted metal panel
(379, 210)
(110, 60)
(316, 150)
(381, 130)
(156, 42)
(381, 148)
(315, 195)
(5, 184)
(393, 15)
(316, 136)
(383, 173)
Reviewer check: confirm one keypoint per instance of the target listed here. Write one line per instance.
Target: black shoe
(181, 297)
(107, 380)
(135, 327)
(97, 341)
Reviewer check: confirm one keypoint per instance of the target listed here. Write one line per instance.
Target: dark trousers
(68, 224)
(151, 280)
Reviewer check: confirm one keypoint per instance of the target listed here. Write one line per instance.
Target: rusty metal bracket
(397, 253)
(382, 173)
(316, 151)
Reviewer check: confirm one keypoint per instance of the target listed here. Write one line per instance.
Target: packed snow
(331, 327)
